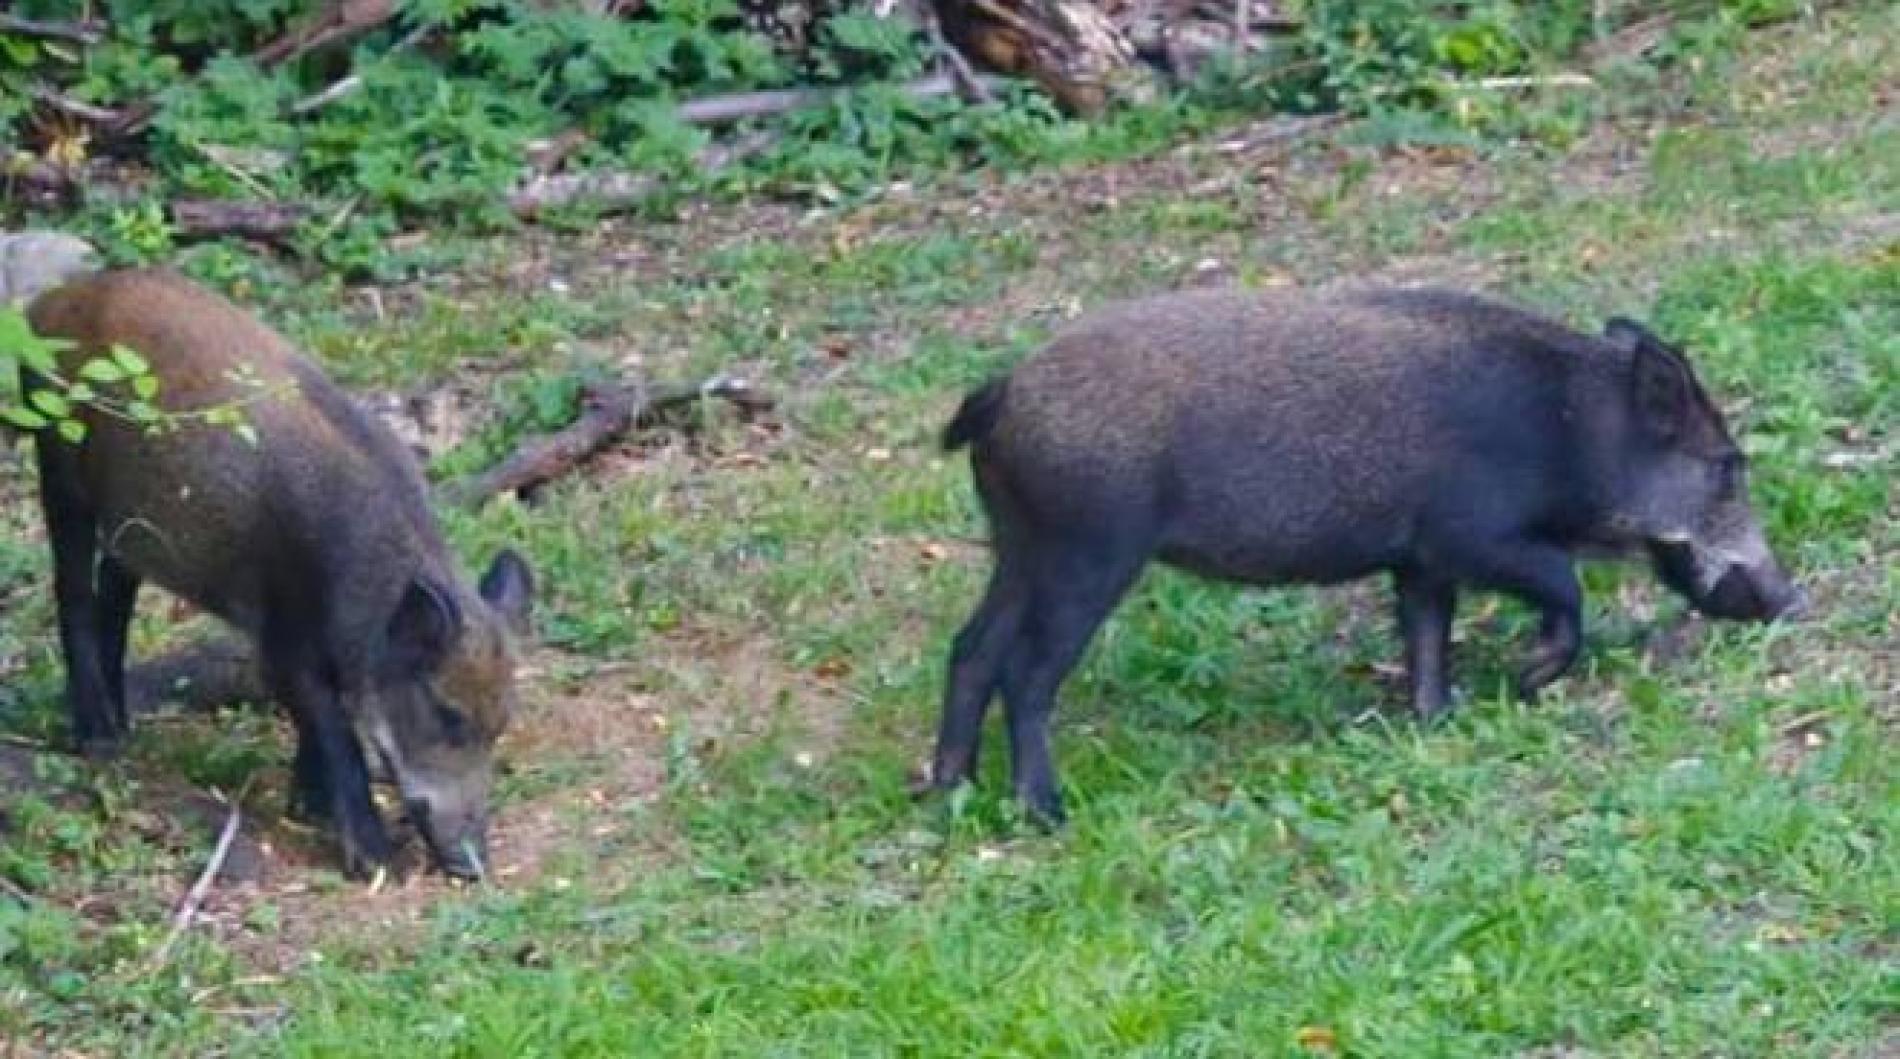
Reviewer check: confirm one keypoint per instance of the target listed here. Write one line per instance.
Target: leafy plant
(118, 383)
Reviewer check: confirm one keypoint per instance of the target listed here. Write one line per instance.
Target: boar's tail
(976, 416)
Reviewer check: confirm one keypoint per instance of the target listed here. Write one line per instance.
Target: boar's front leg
(98, 724)
(117, 595)
(331, 778)
(1427, 602)
(1542, 575)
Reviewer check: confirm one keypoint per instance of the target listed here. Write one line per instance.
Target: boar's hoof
(1798, 606)
(922, 785)
(1044, 811)
(365, 855)
(101, 748)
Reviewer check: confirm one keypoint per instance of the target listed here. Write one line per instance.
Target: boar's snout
(458, 840)
(1733, 591)
(1762, 593)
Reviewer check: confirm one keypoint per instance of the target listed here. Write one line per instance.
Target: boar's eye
(455, 727)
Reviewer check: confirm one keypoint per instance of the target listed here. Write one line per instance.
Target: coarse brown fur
(316, 538)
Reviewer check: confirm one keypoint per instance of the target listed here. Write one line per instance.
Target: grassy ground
(704, 838)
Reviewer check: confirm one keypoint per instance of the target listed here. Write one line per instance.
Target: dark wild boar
(317, 541)
(1299, 438)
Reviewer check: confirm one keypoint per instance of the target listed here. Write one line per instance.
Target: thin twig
(236, 172)
(65, 104)
(1560, 80)
(74, 32)
(188, 908)
(969, 84)
(15, 891)
(311, 104)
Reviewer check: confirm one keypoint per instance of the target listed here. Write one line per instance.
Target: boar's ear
(423, 629)
(1626, 334)
(1660, 385)
(508, 586)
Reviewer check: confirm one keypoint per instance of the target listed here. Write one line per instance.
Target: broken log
(608, 410)
(1072, 48)
(207, 675)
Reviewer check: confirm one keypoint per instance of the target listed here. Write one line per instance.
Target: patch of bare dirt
(603, 734)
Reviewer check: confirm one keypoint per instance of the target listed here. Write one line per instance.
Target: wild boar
(1268, 439)
(313, 536)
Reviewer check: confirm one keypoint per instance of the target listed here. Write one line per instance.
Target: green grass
(1680, 853)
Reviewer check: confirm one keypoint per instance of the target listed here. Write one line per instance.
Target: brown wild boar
(316, 540)
(1268, 439)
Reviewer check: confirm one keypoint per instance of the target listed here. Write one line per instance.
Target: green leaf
(130, 361)
(24, 418)
(53, 405)
(72, 430)
(145, 386)
(101, 370)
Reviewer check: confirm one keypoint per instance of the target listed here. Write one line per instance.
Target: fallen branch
(87, 32)
(211, 218)
(18, 893)
(313, 103)
(547, 156)
(721, 110)
(607, 412)
(76, 108)
(1558, 80)
(615, 190)
(207, 675)
(339, 21)
(188, 908)
(969, 84)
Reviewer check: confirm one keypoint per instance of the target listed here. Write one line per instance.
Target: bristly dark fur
(1440, 438)
(977, 415)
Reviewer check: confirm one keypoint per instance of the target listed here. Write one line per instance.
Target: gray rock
(31, 262)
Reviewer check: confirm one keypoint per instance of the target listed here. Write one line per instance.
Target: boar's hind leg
(976, 665)
(1542, 575)
(1072, 591)
(118, 591)
(1427, 602)
(72, 529)
(329, 766)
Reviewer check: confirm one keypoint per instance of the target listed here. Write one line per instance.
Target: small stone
(31, 262)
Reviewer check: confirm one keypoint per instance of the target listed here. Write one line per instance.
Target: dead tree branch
(607, 412)
(339, 21)
(260, 220)
(317, 101)
(208, 675)
(91, 113)
(188, 908)
(82, 33)
(722, 110)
